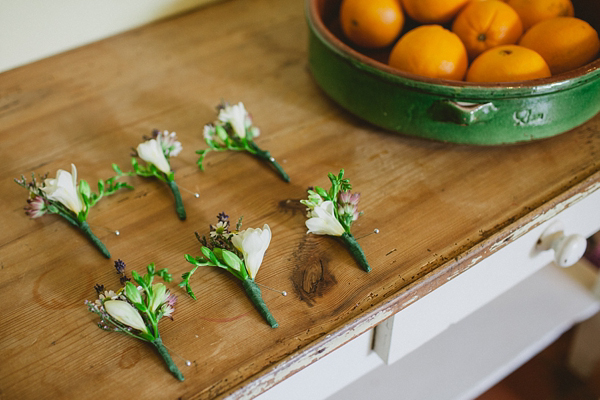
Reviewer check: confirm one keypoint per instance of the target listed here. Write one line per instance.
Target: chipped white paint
(474, 261)
(307, 357)
(541, 218)
(410, 301)
(454, 275)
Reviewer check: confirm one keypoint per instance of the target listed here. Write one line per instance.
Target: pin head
(117, 233)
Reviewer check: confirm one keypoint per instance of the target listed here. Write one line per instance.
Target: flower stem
(266, 156)
(164, 353)
(253, 292)
(356, 251)
(83, 225)
(178, 201)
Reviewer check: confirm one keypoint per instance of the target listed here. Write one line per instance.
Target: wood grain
(437, 206)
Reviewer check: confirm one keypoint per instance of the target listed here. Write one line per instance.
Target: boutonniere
(234, 130)
(333, 212)
(137, 310)
(156, 152)
(69, 198)
(239, 252)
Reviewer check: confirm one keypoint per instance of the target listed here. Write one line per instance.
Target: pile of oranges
(473, 40)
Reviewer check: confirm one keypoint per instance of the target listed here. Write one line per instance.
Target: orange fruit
(372, 23)
(482, 25)
(533, 11)
(431, 51)
(432, 11)
(565, 43)
(507, 63)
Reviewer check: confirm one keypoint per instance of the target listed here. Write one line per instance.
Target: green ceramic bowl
(450, 111)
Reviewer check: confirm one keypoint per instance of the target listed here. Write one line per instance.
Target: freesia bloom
(323, 220)
(64, 189)
(126, 314)
(253, 244)
(238, 117)
(151, 151)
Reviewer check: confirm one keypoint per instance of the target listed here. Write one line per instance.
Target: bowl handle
(462, 113)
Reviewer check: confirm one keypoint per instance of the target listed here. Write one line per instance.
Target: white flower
(253, 243)
(169, 143)
(323, 220)
(151, 151)
(126, 314)
(237, 116)
(64, 189)
(209, 132)
(221, 229)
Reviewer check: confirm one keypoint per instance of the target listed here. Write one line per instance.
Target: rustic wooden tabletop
(438, 207)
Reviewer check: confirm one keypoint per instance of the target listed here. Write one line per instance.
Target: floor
(546, 377)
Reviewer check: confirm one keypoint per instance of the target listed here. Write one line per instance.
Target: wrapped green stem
(84, 226)
(178, 201)
(164, 353)
(356, 251)
(266, 156)
(253, 292)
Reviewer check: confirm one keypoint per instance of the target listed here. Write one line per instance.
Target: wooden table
(438, 207)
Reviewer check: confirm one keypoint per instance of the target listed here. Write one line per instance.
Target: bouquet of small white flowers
(136, 310)
(234, 130)
(239, 252)
(333, 212)
(69, 198)
(156, 152)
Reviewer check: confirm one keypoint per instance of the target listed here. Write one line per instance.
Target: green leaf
(321, 192)
(232, 260)
(85, 191)
(207, 253)
(116, 168)
(221, 133)
(165, 275)
(141, 306)
(139, 279)
(151, 268)
(191, 259)
(186, 279)
(100, 187)
(132, 293)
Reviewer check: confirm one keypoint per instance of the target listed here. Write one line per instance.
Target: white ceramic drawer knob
(567, 249)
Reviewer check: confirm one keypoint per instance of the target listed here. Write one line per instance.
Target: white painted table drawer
(427, 317)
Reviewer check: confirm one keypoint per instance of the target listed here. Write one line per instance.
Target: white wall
(34, 29)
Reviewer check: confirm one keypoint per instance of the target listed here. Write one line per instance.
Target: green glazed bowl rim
(535, 87)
